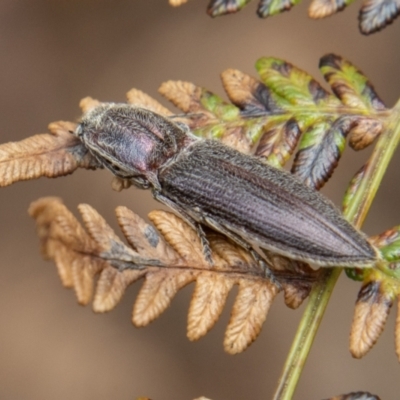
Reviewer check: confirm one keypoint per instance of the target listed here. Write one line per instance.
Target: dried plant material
(64, 261)
(356, 396)
(389, 245)
(246, 319)
(299, 278)
(43, 211)
(157, 292)
(207, 303)
(111, 286)
(140, 99)
(204, 105)
(176, 3)
(184, 95)
(75, 267)
(200, 104)
(144, 238)
(98, 229)
(173, 229)
(208, 115)
(364, 132)
(52, 155)
(167, 259)
(229, 256)
(380, 288)
(247, 93)
(84, 269)
(371, 312)
(88, 103)
(324, 8)
(119, 184)
(279, 135)
(266, 118)
(296, 294)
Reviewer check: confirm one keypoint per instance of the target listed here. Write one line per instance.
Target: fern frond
(167, 259)
(269, 117)
(374, 15)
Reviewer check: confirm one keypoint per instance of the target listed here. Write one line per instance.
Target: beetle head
(132, 142)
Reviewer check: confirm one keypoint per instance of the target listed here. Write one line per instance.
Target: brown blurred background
(56, 52)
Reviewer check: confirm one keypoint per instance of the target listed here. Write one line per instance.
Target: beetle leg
(196, 226)
(242, 243)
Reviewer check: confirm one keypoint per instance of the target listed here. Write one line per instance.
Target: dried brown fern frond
(55, 154)
(168, 259)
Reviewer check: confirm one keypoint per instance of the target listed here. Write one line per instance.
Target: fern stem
(320, 295)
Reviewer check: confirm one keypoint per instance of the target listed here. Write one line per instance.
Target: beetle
(210, 184)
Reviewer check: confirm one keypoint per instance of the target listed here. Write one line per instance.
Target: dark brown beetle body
(210, 184)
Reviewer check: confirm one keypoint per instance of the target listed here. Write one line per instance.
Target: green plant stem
(321, 292)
